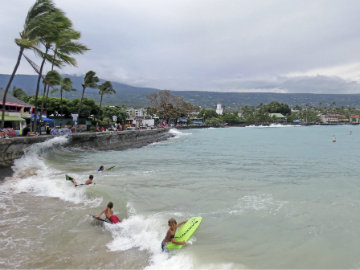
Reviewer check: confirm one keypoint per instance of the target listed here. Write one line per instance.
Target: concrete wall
(13, 148)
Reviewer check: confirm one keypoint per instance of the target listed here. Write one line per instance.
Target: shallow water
(270, 197)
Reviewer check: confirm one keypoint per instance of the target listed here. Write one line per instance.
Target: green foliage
(109, 112)
(231, 118)
(69, 106)
(208, 113)
(20, 94)
(214, 121)
(276, 107)
(90, 80)
(53, 78)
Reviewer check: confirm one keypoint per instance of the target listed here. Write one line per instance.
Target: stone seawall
(13, 148)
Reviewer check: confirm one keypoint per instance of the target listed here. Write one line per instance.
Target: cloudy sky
(287, 46)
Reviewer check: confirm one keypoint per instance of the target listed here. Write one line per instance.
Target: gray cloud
(207, 44)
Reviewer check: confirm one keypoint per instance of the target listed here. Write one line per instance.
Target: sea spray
(32, 174)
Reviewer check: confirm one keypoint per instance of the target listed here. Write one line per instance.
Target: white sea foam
(272, 126)
(32, 175)
(260, 202)
(146, 233)
(178, 133)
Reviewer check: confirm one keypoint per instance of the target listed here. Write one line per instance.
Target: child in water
(101, 169)
(109, 213)
(171, 233)
(88, 182)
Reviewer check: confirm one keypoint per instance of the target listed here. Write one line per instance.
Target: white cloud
(206, 44)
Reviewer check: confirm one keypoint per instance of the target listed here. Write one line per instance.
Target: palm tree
(54, 22)
(51, 79)
(105, 88)
(64, 47)
(90, 80)
(28, 38)
(65, 85)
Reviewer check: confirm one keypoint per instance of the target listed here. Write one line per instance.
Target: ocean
(270, 197)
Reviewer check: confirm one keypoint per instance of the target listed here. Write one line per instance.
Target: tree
(52, 79)
(105, 88)
(65, 85)
(54, 22)
(20, 94)
(208, 113)
(120, 113)
(168, 106)
(28, 38)
(90, 80)
(231, 118)
(66, 45)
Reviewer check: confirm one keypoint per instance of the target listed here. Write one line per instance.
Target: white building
(219, 109)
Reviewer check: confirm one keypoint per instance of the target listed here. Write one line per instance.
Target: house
(278, 116)
(355, 119)
(333, 118)
(138, 118)
(17, 112)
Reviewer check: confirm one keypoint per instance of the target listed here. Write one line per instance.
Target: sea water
(270, 197)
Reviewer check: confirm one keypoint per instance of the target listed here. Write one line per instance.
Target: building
(355, 119)
(17, 112)
(278, 116)
(138, 118)
(219, 109)
(333, 118)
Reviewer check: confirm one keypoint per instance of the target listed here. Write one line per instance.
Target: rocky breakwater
(13, 148)
(118, 140)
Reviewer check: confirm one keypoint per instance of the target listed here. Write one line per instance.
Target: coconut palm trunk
(8, 86)
(99, 113)
(37, 90)
(82, 96)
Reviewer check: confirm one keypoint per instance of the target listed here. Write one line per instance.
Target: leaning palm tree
(28, 38)
(90, 80)
(51, 79)
(64, 47)
(65, 85)
(54, 22)
(105, 88)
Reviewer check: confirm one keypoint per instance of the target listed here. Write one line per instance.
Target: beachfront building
(355, 119)
(333, 118)
(219, 109)
(279, 117)
(17, 112)
(138, 118)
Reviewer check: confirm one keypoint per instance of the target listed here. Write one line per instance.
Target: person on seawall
(171, 233)
(25, 131)
(109, 213)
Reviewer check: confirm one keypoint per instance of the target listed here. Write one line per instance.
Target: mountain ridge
(136, 96)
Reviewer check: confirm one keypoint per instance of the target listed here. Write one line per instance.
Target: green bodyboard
(185, 232)
(68, 178)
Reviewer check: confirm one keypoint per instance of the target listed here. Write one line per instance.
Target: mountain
(136, 96)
